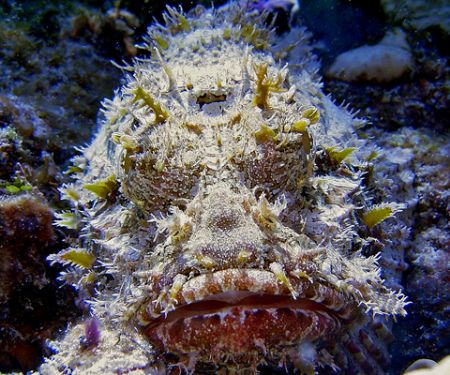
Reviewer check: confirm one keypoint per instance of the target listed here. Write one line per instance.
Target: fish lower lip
(249, 289)
(253, 323)
(246, 310)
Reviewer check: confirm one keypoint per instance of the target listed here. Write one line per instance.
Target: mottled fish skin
(227, 211)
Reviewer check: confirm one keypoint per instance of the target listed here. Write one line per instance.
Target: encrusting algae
(227, 220)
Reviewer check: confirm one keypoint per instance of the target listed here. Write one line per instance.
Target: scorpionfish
(229, 213)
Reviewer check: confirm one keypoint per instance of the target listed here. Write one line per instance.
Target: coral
(23, 118)
(29, 310)
(32, 220)
(235, 221)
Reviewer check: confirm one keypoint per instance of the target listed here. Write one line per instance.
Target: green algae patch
(341, 155)
(161, 114)
(377, 215)
(78, 257)
(103, 188)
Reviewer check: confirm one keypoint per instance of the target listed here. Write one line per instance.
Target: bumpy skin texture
(229, 226)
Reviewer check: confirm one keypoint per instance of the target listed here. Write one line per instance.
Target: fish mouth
(237, 311)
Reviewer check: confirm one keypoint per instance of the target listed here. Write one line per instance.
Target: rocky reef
(410, 123)
(420, 14)
(151, 220)
(426, 161)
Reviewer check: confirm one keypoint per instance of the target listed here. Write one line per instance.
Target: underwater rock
(421, 14)
(226, 215)
(427, 367)
(410, 125)
(10, 152)
(386, 61)
(421, 364)
(22, 118)
(421, 101)
(73, 76)
(24, 141)
(105, 29)
(427, 255)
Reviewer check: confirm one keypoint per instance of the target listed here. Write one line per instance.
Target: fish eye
(210, 98)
